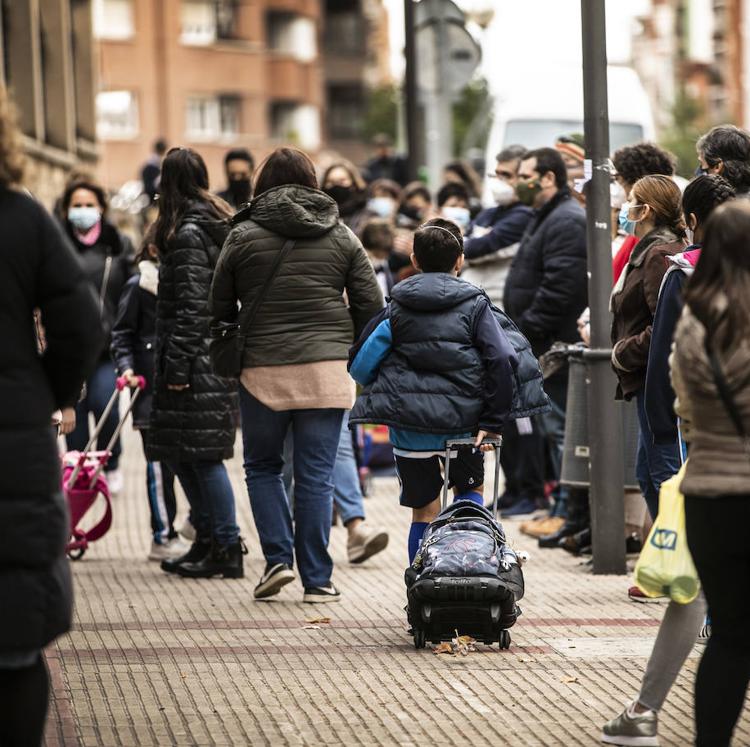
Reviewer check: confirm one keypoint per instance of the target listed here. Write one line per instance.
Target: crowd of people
(306, 282)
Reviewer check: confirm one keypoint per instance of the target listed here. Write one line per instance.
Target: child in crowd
(453, 204)
(377, 239)
(436, 365)
(133, 340)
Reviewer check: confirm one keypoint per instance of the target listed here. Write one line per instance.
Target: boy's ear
(414, 262)
(459, 264)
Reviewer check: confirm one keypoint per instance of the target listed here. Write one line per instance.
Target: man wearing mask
(239, 165)
(546, 288)
(493, 241)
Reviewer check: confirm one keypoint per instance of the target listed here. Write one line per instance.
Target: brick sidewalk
(158, 660)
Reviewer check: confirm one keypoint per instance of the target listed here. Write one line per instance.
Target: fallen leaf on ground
(311, 627)
(463, 644)
(568, 680)
(443, 648)
(318, 620)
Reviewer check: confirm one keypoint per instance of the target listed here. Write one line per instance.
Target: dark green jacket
(304, 317)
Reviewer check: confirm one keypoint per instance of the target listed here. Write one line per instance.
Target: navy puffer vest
(432, 380)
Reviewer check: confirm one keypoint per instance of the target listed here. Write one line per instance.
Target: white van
(535, 111)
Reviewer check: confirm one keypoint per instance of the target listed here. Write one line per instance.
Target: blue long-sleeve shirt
(507, 225)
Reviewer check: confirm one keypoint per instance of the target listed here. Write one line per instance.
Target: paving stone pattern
(159, 660)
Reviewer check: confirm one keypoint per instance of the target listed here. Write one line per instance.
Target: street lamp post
(605, 429)
(410, 89)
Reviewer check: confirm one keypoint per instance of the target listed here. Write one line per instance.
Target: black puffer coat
(38, 269)
(107, 264)
(197, 423)
(547, 286)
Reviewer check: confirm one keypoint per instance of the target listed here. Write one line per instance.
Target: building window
(292, 35)
(212, 117)
(345, 111)
(116, 115)
(298, 124)
(344, 32)
(113, 19)
(203, 22)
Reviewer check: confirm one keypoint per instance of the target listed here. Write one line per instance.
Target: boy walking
(436, 366)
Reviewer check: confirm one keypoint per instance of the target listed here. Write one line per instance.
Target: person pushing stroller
(436, 365)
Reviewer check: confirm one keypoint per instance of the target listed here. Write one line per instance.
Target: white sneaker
(168, 550)
(187, 530)
(115, 481)
(364, 542)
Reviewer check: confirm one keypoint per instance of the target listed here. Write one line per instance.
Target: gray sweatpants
(677, 635)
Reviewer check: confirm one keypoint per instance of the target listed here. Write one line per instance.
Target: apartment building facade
(46, 63)
(210, 74)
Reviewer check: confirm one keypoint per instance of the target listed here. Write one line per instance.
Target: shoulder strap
(263, 292)
(723, 388)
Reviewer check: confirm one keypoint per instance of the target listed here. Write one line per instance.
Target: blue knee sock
(471, 495)
(416, 532)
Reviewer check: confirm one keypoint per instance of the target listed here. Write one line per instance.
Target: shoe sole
(274, 584)
(376, 544)
(631, 741)
(321, 599)
(182, 571)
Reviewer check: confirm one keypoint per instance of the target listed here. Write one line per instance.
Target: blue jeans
(99, 389)
(316, 436)
(211, 499)
(654, 463)
(347, 491)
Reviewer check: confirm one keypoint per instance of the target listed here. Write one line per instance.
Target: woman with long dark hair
(344, 184)
(192, 424)
(321, 292)
(711, 378)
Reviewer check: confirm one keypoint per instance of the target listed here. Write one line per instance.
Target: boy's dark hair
(240, 154)
(377, 236)
(437, 245)
(548, 159)
(452, 189)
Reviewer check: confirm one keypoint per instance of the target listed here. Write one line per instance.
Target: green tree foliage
(381, 112)
(471, 117)
(688, 124)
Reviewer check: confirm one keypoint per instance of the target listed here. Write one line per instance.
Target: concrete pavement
(161, 660)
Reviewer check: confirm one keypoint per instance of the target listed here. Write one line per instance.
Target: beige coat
(719, 462)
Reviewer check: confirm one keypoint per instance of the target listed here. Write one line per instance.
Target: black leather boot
(568, 529)
(198, 550)
(577, 544)
(223, 560)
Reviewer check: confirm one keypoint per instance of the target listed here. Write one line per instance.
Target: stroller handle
(122, 383)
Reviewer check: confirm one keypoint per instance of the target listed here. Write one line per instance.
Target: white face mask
(502, 193)
(458, 215)
(617, 195)
(384, 207)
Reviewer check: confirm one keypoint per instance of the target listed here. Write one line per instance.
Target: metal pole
(410, 90)
(605, 430)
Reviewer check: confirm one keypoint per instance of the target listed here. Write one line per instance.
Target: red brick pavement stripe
(144, 653)
(61, 722)
(539, 622)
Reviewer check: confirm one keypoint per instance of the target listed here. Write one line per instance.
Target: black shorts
(422, 479)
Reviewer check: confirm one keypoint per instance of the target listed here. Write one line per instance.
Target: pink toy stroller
(83, 479)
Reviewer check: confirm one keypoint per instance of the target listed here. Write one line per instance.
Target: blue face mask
(84, 218)
(625, 223)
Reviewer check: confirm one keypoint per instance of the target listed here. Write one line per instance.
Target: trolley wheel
(504, 639)
(419, 638)
(76, 554)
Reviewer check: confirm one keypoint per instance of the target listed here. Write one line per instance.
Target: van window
(541, 133)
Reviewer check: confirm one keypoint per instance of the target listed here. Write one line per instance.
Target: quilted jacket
(307, 316)
(197, 423)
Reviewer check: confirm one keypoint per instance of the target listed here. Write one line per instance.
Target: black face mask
(412, 213)
(340, 195)
(240, 190)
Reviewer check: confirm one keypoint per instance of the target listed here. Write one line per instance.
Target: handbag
(227, 344)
